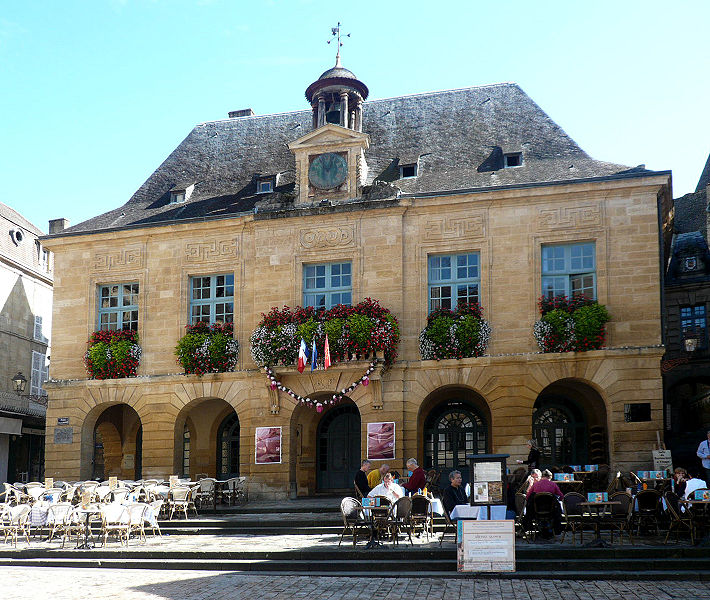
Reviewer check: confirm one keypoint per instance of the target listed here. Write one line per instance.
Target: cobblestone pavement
(117, 584)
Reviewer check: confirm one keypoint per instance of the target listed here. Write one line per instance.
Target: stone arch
(453, 421)
(570, 423)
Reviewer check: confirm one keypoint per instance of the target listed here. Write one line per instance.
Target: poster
(267, 445)
(662, 460)
(380, 441)
(485, 546)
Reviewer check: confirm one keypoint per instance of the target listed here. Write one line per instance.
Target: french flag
(302, 356)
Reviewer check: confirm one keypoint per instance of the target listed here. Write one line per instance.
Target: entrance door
(228, 448)
(559, 435)
(338, 448)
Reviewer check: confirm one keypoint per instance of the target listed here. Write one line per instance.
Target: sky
(95, 94)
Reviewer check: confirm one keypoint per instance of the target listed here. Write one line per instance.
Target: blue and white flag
(302, 356)
(314, 354)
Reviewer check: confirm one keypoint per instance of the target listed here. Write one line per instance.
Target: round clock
(328, 171)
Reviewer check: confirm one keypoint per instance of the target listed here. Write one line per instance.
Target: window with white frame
(212, 298)
(693, 323)
(453, 278)
(118, 306)
(569, 270)
(328, 284)
(40, 374)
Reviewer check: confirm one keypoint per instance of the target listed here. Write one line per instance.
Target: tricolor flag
(302, 356)
(314, 354)
(326, 353)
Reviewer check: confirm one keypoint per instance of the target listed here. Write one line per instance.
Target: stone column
(358, 116)
(321, 111)
(344, 109)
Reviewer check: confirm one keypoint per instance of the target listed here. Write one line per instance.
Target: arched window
(560, 434)
(186, 451)
(228, 448)
(450, 433)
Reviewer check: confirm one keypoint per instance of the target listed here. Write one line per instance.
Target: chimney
(244, 112)
(58, 225)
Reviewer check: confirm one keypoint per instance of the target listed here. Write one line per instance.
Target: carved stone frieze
(341, 236)
(130, 258)
(564, 217)
(211, 250)
(452, 227)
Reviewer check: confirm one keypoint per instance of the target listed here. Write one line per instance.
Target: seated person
(387, 488)
(545, 484)
(680, 478)
(374, 477)
(417, 477)
(454, 493)
(534, 477)
(361, 478)
(692, 484)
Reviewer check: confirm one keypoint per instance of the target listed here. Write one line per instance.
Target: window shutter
(38, 328)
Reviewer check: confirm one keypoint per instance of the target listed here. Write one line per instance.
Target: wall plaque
(63, 435)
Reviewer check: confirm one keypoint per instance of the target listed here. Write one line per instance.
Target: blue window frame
(693, 323)
(212, 298)
(569, 270)
(328, 284)
(118, 306)
(453, 278)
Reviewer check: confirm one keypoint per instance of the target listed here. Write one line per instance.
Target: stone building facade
(26, 273)
(379, 189)
(686, 364)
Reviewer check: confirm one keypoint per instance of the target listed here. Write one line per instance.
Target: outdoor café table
(436, 506)
(87, 512)
(700, 510)
(595, 512)
(575, 485)
(465, 511)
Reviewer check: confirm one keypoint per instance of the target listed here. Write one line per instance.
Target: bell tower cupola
(337, 95)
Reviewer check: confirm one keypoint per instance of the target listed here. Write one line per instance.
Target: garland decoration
(275, 384)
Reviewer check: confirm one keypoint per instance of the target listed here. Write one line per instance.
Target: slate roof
(704, 180)
(460, 137)
(17, 219)
(691, 213)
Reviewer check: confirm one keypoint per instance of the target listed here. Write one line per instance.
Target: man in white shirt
(387, 488)
(704, 455)
(694, 483)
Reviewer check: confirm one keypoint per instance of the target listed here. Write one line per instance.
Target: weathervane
(336, 34)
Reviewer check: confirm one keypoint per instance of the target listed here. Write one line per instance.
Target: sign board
(485, 546)
(63, 435)
(173, 481)
(662, 460)
(112, 483)
(32, 431)
(487, 478)
(48, 483)
(62, 420)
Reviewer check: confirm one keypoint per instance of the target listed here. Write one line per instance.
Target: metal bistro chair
(353, 519)
(543, 505)
(621, 515)
(520, 514)
(648, 505)
(421, 515)
(399, 518)
(574, 516)
(678, 518)
(449, 525)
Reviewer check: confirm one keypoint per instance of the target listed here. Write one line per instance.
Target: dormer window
(265, 186)
(177, 197)
(513, 159)
(408, 171)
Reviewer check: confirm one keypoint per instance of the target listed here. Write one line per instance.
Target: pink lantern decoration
(273, 385)
(365, 381)
(319, 407)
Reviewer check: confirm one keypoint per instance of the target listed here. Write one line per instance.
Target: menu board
(487, 486)
(48, 482)
(564, 476)
(112, 483)
(173, 481)
(485, 546)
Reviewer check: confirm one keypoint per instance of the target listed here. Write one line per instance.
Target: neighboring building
(375, 198)
(686, 364)
(25, 323)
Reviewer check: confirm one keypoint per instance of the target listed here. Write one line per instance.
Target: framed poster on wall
(380, 441)
(267, 445)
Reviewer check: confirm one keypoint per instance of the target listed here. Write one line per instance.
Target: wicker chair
(678, 519)
(574, 516)
(621, 515)
(648, 509)
(353, 519)
(421, 515)
(399, 518)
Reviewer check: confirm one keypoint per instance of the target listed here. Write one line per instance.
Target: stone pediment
(331, 135)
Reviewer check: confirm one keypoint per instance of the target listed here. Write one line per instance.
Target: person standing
(375, 476)
(533, 461)
(704, 455)
(361, 478)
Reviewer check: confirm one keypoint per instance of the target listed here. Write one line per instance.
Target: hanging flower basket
(207, 348)
(354, 333)
(112, 354)
(570, 324)
(455, 334)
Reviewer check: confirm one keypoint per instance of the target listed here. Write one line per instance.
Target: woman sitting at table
(533, 478)
(680, 478)
(545, 485)
(387, 488)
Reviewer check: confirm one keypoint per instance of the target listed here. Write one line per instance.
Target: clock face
(328, 171)
(691, 263)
